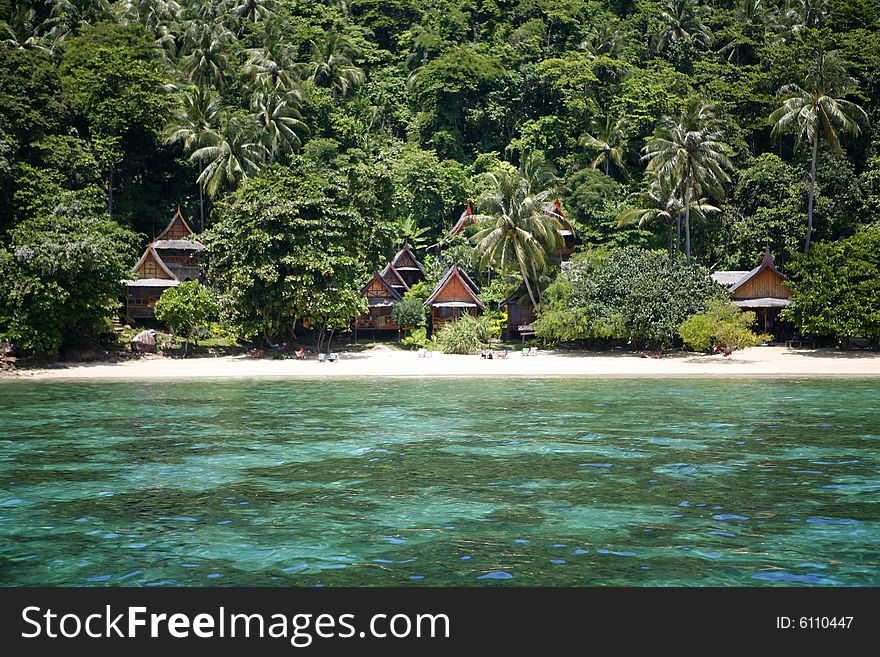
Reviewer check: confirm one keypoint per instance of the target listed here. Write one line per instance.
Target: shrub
(722, 325)
(416, 339)
(408, 313)
(186, 307)
(466, 335)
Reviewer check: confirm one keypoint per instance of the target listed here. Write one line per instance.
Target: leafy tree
(112, 76)
(817, 112)
(837, 288)
(409, 313)
(277, 112)
(287, 249)
(62, 276)
(187, 307)
(629, 294)
(662, 201)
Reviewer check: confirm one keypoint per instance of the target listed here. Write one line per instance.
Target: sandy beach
(385, 361)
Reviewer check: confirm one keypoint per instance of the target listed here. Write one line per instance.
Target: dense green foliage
(288, 248)
(393, 112)
(408, 313)
(837, 291)
(187, 307)
(722, 325)
(61, 277)
(638, 296)
(465, 335)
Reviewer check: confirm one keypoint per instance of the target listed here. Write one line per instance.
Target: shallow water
(440, 482)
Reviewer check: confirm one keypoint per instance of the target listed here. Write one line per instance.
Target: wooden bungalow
(381, 297)
(171, 258)
(394, 279)
(152, 278)
(178, 251)
(453, 296)
(763, 290)
(407, 267)
(567, 233)
(520, 315)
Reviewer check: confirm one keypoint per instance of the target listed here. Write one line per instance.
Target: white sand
(385, 361)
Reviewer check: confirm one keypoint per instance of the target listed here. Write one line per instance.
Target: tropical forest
(306, 142)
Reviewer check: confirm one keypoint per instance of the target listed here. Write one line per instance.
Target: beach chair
(334, 357)
(533, 351)
(322, 358)
(525, 351)
(422, 353)
(503, 354)
(300, 353)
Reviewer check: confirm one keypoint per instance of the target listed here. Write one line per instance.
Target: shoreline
(383, 362)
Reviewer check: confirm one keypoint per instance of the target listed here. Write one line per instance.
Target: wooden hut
(171, 258)
(178, 251)
(407, 267)
(381, 297)
(454, 295)
(567, 233)
(152, 278)
(520, 315)
(763, 290)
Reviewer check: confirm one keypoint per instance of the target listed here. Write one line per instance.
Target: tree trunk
(687, 217)
(812, 192)
(201, 199)
(607, 164)
(677, 234)
(537, 288)
(110, 192)
(522, 270)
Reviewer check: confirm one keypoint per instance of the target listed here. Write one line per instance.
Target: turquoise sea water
(440, 482)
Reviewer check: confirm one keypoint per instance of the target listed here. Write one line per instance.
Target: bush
(408, 313)
(722, 325)
(629, 294)
(417, 339)
(466, 335)
(186, 307)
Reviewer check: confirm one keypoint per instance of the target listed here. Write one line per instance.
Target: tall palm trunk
(110, 192)
(201, 198)
(687, 216)
(677, 234)
(522, 271)
(812, 192)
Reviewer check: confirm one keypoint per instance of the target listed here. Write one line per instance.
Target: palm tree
(660, 201)
(330, 62)
(67, 16)
(232, 154)
(194, 119)
(277, 111)
(521, 222)
(607, 139)
(275, 62)
(815, 113)
(204, 49)
(689, 153)
(251, 10)
(682, 20)
(802, 14)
